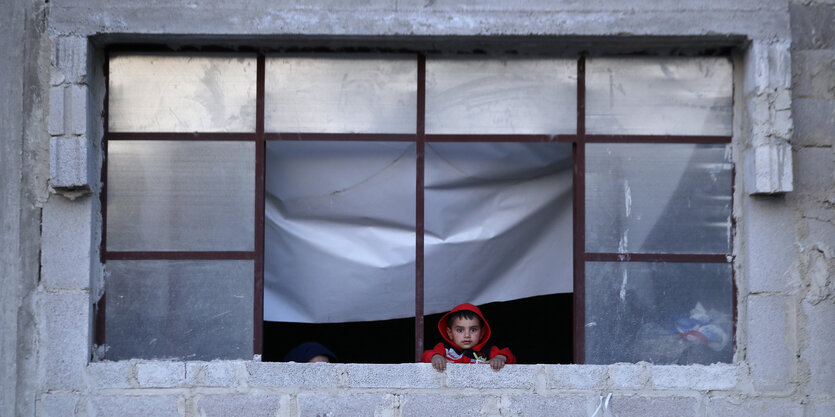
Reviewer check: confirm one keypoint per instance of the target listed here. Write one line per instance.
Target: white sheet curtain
(340, 227)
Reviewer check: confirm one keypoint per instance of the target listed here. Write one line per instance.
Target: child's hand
(439, 362)
(496, 363)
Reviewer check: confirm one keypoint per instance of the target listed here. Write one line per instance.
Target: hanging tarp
(340, 227)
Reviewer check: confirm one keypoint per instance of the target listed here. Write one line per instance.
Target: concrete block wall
(72, 164)
(812, 295)
(290, 389)
(784, 211)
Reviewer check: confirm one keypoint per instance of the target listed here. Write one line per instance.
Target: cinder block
(70, 163)
(813, 74)
(77, 120)
(57, 405)
(65, 257)
(759, 111)
(815, 168)
(348, 404)
(279, 374)
(576, 376)
(782, 124)
(215, 373)
(768, 169)
(55, 119)
(137, 405)
(64, 340)
(638, 406)
(453, 404)
(768, 355)
(753, 407)
(817, 349)
(70, 58)
(161, 374)
(811, 26)
(110, 375)
(770, 246)
(250, 405)
(814, 121)
(714, 377)
(393, 376)
(545, 405)
(767, 66)
(629, 376)
(67, 110)
(483, 376)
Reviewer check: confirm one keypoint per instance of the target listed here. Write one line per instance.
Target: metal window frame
(420, 138)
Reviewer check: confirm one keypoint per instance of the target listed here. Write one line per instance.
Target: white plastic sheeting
(340, 227)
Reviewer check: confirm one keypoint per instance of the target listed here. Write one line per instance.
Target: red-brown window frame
(420, 138)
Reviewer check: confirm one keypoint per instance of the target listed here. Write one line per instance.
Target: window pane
(348, 94)
(340, 231)
(180, 196)
(658, 198)
(498, 222)
(656, 96)
(183, 93)
(532, 96)
(192, 310)
(662, 313)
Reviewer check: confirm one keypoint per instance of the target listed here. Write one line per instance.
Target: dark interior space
(536, 329)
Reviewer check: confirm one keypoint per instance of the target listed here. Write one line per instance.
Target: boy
(466, 333)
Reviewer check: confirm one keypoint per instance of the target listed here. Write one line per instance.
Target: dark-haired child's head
(464, 328)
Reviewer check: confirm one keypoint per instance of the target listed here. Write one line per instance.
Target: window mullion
(419, 209)
(579, 196)
(260, 155)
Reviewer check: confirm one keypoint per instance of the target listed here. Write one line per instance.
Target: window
(258, 200)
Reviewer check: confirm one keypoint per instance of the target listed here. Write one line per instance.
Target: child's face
(465, 333)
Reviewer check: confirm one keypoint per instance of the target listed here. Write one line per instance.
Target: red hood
(442, 325)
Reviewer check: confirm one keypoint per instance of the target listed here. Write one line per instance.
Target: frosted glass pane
(658, 198)
(186, 310)
(676, 96)
(347, 94)
(497, 222)
(534, 96)
(180, 196)
(662, 313)
(340, 231)
(182, 93)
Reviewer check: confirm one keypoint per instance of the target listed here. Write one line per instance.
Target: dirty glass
(662, 313)
(501, 96)
(180, 196)
(181, 93)
(497, 222)
(658, 198)
(347, 94)
(340, 231)
(185, 310)
(657, 96)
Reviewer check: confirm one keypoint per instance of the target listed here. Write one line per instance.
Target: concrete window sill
(136, 374)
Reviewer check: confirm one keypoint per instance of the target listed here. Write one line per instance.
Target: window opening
(294, 126)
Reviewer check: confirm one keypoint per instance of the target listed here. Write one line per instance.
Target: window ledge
(136, 374)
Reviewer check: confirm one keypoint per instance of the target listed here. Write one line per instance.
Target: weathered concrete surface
(421, 17)
(22, 191)
(11, 143)
(784, 244)
(813, 205)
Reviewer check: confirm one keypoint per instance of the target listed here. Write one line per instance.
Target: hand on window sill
(497, 362)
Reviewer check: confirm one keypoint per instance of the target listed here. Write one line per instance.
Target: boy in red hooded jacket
(466, 333)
